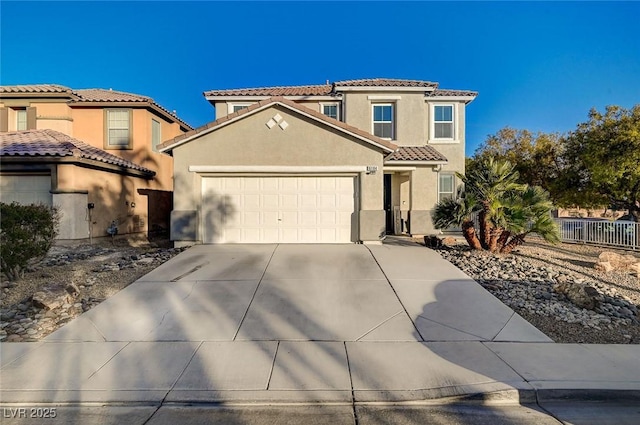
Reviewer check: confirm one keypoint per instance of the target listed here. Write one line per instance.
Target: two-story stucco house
(350, 161)
(91, 153)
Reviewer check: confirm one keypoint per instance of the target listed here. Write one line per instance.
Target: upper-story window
(330, 110)
(118, 128)
(383, 120)
(235, 107)
(156, 134)
(21, 119)
(443, 122)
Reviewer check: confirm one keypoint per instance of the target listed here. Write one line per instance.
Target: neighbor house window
(118, 128)
(21, 119)
(156, 135)
(383, 125)
(446, 186)
(443, 122)
(330, 110)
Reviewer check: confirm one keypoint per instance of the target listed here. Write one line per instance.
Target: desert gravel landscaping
(525, 280)
(528, 279)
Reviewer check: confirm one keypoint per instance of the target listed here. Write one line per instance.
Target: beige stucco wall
(222, 107)
(410, 114)
(249, 141)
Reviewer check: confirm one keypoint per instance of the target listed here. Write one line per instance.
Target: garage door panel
(308, 202)
(289, 202)
(308, 218)
(289, 218)
(281, 209)
(251, 201)
(327, 202)
(308, 185)
(288, 185)
(270, 201)
(344, 219)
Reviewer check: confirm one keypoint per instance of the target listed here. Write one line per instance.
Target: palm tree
(528, 212)
(491, 181)
(507, 210)
(458, 212)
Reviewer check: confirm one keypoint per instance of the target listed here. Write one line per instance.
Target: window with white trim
(235, 107)
(383, 120)
(118, 128)
(156, 134)
(446, 186)
(330, 110)
(443, 122)
(21, 119)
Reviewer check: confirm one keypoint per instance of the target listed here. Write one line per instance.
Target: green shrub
(26, 235)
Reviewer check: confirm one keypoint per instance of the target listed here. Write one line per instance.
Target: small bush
(26, 235)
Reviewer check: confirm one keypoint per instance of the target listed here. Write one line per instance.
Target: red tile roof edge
(60, 145)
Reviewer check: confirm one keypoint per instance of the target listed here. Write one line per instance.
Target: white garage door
(25, 189)
(278, 209)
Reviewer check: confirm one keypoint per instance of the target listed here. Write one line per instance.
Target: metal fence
(624, 234)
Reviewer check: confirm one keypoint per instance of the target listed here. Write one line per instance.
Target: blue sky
(539, 66)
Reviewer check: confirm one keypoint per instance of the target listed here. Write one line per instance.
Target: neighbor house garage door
(25, 189)
(278, 209)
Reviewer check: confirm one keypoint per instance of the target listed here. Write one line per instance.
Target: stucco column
(371, 217)
(423, 197)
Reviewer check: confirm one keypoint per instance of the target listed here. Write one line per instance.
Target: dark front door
(388, 207)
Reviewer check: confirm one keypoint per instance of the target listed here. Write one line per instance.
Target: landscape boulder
(584, 296)
(616, 261)
(55, 296)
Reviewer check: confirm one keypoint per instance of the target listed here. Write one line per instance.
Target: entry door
(278, 209)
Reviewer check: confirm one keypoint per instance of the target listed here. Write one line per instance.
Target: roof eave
(384, 88)
(38, 95)
(257, 98)
(409, 162)
(465, 99)
(69, 159)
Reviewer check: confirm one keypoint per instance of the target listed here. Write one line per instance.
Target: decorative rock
(617, 261)
(581, 295)
(52, 297)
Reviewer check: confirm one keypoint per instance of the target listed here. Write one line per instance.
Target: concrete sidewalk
(346, 324)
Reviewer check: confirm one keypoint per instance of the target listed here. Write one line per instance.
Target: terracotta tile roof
(320, 90)
(446, 92)
(102, 95)
(36, 143)
(385, 82)
(312, 90)
(289, 103)
(415, 153)
(35, 88)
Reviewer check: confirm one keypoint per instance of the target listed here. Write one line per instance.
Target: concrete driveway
(304, 323)
(302, 293)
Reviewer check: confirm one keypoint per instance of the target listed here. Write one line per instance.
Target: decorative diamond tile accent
(283, 125)
(271, 123)
(277, 118)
